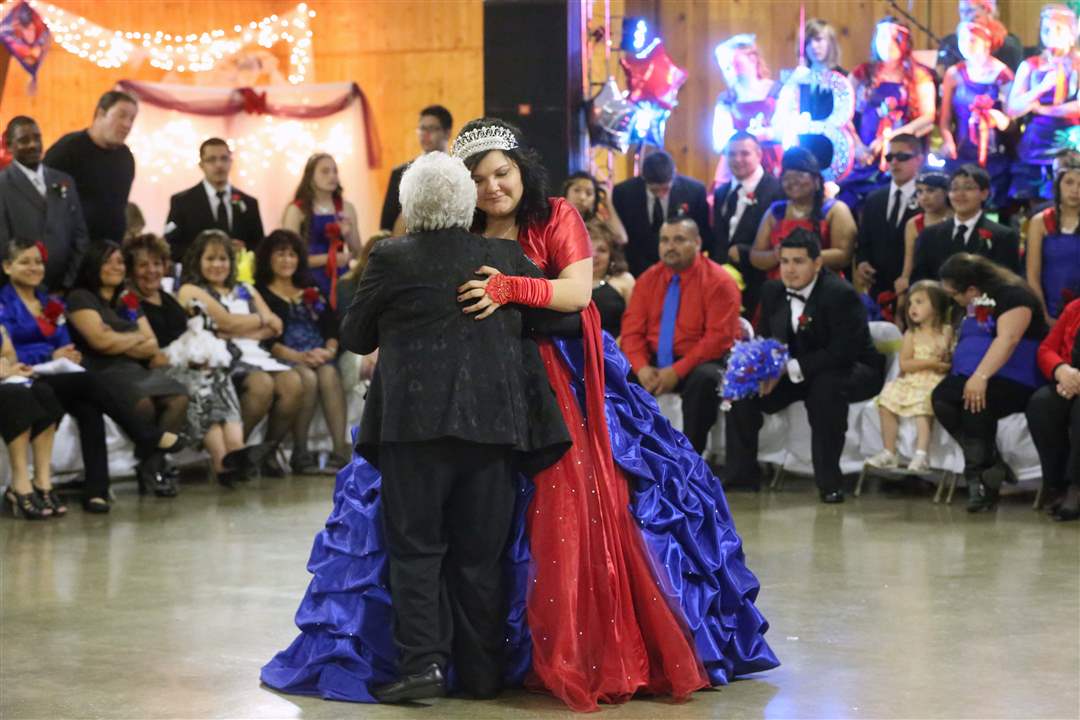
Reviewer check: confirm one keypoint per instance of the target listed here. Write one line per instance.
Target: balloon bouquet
(618, 119)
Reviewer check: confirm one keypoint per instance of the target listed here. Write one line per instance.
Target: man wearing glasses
(879, 256)
(433, 132)
(969, 230)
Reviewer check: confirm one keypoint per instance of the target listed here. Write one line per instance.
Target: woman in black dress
(612, 281)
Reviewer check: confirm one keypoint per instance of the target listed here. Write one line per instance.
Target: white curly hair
(437, 192)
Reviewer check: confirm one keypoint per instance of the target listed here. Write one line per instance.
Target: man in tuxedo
(40, 203)
(451, 402)
(643, 204)
(879, 254)
(833, 363)
(433, 132)
(738, 207)
(213, 204)
(682, 320)
(968, 231)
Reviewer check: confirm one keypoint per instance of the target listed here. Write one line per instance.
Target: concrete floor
(885, 607)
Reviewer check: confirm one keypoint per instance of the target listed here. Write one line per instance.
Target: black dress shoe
(832, 497)
(428, 683)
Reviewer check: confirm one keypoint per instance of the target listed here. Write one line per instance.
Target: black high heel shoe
(49, 500)
(26, 505)
(153, 476)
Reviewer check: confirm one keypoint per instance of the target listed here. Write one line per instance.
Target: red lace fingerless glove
(534, 292)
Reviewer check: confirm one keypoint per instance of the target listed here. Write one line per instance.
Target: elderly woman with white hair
(455, 407)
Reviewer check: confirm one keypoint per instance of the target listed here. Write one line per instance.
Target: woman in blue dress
(322, 216)
(972, 99)
(894, 94)
(1053, 245)
(674, 511)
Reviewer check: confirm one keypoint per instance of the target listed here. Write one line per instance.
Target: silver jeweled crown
(483, 139)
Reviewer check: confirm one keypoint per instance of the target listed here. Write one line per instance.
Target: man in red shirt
(682, 320)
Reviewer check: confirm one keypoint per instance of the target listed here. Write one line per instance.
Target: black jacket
(880, 245)
(391, 206)
(631, 203)
(190, 214)
(768, 191)
(935, 245)
(834, 336)
(442, 373)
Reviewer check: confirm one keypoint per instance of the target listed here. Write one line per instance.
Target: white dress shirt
(36, 176)
(969, 224)
(907, 195)
(794, 370)
(211, 194)
(650, 200)
(744, 188)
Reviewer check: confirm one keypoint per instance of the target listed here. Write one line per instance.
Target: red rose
(804, 321)
(985, 234)
(236, 197)
(43, 251)
(333, 231)
(53, 310)
(982, 313)
(311, 295)
(129, 299)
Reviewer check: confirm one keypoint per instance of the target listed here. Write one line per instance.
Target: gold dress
(909, 394)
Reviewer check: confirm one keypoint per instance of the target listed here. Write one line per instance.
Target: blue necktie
(665, 349)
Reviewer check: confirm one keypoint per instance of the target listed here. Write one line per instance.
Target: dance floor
(885, 607)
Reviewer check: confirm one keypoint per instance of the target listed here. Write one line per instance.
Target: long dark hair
(1065, 169)
(582, 175)
(964, 270)
(868, 72)
(192, 270)
(264, 273)
(534, 207)
(89, 275)
(305, 191)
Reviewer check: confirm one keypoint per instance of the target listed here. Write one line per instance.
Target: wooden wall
(405, 54)
(692, 28)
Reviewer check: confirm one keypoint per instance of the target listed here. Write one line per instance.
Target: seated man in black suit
(213, 204)
(833, 364)
(451, 402)
(968, 231)
(433, 132)
(879, 254)
(40, 203)
(738, 208)
(644, 203)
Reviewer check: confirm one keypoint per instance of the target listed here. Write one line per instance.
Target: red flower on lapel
(804, 322)
(985, 234)
(52, 317)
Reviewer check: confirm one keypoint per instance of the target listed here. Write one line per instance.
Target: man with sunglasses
(433, 133)
(879, 255)
(968, 231)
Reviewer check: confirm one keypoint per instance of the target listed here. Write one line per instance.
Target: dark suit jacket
(391, 206)
(836, 335)
(190, 212)
(880, 245)
(56, 219)
(642, 247)
(768, 191)
(935, 245)
(442, 373)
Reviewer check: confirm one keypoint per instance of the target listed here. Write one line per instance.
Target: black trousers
(86, 397)
(827, 398)
(447, 510)
(976, 433)
(1054, 423)
(25, 407)
(700, 402)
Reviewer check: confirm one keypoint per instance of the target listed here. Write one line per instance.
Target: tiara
(482, 139)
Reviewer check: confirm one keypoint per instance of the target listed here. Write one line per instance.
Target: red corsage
(52, 316)
(310, 295)
(43, 250)
(985, 234)
(238, 200)
(314, 302)
(804, 322)
(751, 198)
(887, 302)
(131, 305)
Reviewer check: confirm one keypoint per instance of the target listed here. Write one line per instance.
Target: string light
(194, 52)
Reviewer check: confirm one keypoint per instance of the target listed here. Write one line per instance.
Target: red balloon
(653, 78)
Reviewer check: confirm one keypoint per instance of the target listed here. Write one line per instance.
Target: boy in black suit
(833, 363)
(451, 403)
(213, 203)
(969, 230)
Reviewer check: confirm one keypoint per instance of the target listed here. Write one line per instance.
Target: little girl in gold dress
(924, 361)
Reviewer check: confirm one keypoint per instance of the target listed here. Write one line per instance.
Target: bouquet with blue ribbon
(750, 364)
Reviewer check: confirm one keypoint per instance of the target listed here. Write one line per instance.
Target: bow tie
(795, 295)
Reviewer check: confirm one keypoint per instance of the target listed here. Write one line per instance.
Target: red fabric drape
(251, 101)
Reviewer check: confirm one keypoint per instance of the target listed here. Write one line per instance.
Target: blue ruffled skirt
(346, 642)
